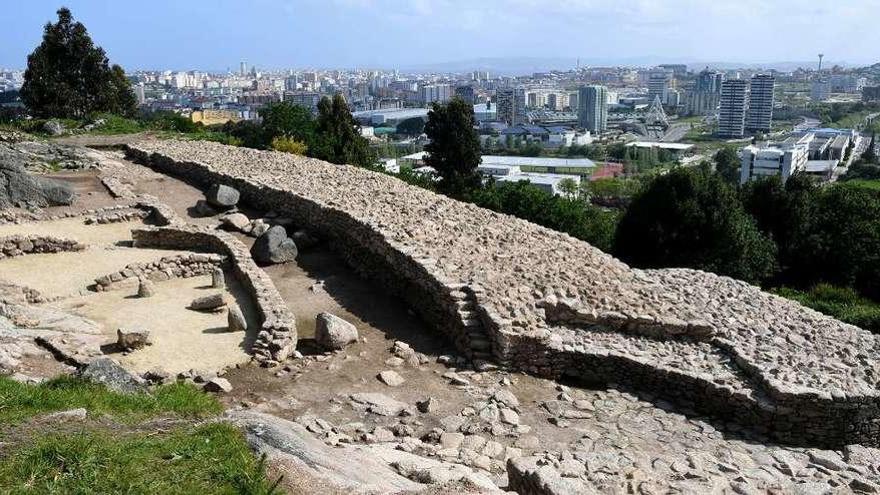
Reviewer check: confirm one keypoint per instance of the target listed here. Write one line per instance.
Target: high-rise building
(709, 81)
(242, 69)
(466, 93)
(821, 90)
(760, 114)
(435, 93)
(734, 101)
(511, 105)
(658, 84)
(593, 108)
(139, 93)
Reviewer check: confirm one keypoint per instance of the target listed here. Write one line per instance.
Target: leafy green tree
(68, 76)
(286, 120)
(411, 127)
(338, 138)
(454, 150)
(692, 218)
(870, 156)
(569, 187)
(786, 214)
(727, 164)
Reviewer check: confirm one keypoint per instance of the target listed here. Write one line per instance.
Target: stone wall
(182, 266)
(277, 337)
(543, 302)
(18, 245)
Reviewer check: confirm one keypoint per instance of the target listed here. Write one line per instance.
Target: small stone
(222, 196)
(509, 416)
(427, 405)
(218, 385)
(203, 209)
(390, 378)
(506, 397)
(218, 279)
(235, 221)
(79, 413)
(235, 319)
(333, 333)
(145, 288)
(208, 303)
(451, 440)
(394, 362)
(131, 339)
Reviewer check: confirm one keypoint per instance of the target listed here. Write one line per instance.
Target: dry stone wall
(277, 337)
(182, 266)
(18, 245)
(541, 301)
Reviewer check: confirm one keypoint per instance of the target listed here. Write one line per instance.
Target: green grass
(114, 124)
(865, 183)
(211, 459)
(20, 401)
(842, 303)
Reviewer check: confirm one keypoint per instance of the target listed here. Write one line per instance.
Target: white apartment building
(760, 115)
(734, 102)
(783, 160)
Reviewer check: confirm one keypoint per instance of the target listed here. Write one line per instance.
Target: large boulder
(223, 197)
(132, 338)
(332, 332)
(212, 302)
(53, 128)
(18, 188)
(113, 376)
(274, 247)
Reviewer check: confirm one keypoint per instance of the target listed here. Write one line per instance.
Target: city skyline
(415, 34)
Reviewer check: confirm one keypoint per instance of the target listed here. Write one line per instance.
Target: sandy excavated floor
(75, 228)
(180, 336)
(65, 274)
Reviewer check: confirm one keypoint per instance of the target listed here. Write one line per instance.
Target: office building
(658, 85)
(435, 93)
(511, 105)
(709, 81)
(242, 69)
(466, 93)
(760, 114)
(593, 108)
(821, 90)
(732, 115)
(783, 160)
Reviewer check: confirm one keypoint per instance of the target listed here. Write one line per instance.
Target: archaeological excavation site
(369, 336)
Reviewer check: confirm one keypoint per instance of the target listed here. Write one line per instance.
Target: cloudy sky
(217, 34)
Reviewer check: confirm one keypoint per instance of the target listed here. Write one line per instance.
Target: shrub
(289, 145)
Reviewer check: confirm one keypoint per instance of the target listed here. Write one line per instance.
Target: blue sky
(216, 34)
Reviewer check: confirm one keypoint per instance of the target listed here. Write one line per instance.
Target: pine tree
(870, 156)
(338, 137)
(68, 76)
(454, 150)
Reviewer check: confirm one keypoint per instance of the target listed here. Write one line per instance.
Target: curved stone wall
(541, 301)
(276, 339)
(18, 245)
(182, 266)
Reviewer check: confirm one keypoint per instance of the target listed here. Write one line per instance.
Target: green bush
(289, 145)
(843, 303)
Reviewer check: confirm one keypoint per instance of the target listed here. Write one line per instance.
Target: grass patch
(842, 303)
(873, 185)
(212, 459)
(19, 401)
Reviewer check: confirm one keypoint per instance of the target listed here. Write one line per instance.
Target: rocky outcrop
(541, 301)
(19, 188)
(276, 338)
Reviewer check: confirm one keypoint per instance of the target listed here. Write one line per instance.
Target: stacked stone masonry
(18, 245)
(182, 266)
(555, 306)
(277, 337)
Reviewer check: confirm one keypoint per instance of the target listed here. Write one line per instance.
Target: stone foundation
(19, 245)
(183, 266)
(277, 337)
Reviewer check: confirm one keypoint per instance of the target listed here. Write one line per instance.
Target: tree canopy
(692, 218)
(338, 138)
(727, 164)
(454, 150)
(411, 127)
(68, 76)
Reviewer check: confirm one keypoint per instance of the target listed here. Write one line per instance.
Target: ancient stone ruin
(537, 300)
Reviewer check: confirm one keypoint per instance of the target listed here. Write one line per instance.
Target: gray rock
(222, 196)
(78, 413)
(130, 339)
(235, 221)
(332, 332)
(274, 247)
(235, 319)
(218, 385)
(218, 279)
(53, 128)
(345, 468)
(18, 188)
(110, 373)
(145, 288)
(258, 227)
(427, 405)
(390, 378)
(379, 404)
(212, 302)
